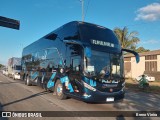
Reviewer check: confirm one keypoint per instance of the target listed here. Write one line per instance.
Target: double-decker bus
(79, 60)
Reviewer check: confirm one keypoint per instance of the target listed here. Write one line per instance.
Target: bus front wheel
(28, 82)
(59, 90)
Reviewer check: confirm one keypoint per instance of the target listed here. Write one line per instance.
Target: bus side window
(53, 58)
(42, 55)
(76, 64)
(73, 57)
(50, 66)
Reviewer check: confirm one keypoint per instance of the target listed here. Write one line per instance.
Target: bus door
(75, 66)
(52, 63)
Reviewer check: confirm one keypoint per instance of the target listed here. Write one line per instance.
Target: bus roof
(95, 35)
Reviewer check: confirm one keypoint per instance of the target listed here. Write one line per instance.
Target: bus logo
(102, 43)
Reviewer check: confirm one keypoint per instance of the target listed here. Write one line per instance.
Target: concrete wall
(158, 62)
(137, 69)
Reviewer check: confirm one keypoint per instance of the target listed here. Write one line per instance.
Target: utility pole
(82, 1)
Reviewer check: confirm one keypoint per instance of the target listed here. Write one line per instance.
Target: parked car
(5, 71)
(149, 78)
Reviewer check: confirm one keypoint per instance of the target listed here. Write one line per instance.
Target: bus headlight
(88, 86)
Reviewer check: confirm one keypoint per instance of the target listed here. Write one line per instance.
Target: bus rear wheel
(59, 90)
(28, 82)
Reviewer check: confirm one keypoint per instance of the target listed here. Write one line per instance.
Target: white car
(149, 78)
(5, 72)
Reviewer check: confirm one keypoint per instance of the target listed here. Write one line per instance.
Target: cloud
(151, 42)
(149, 13)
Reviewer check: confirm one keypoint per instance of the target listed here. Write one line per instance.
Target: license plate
(110, 99)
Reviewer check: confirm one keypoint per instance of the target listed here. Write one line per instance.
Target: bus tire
(45, 86)
(28, 81)
(59, 90)
(25, 79)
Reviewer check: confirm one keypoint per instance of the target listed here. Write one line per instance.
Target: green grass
(151, 89)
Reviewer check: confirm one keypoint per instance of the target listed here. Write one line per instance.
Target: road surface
(16, 96)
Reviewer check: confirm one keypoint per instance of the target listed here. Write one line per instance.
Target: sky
(39, 17)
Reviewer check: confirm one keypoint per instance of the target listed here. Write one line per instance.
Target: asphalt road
(16, 96)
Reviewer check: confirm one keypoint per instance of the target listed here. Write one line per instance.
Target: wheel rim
(27, 81)
(59, 90)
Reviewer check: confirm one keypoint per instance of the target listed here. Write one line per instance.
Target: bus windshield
(105, 65)
(18, 67)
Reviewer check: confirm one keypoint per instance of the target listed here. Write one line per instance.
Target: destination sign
(102, 43)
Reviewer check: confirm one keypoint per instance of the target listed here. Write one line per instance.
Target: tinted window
(105, 64)
(76, 62)
(73, 56)
(42, 55)
(68, 32)
(100, 38)
(35, 56)
(51, 53)
(89, 32)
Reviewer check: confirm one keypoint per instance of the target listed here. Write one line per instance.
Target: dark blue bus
(79, 60)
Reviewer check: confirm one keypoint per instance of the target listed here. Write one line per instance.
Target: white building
(149, 64)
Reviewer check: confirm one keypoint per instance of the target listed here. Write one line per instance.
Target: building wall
(155, 74)
(127, 67)
(158, 62)
(137, 69)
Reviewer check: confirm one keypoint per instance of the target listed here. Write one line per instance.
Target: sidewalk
(148, 100)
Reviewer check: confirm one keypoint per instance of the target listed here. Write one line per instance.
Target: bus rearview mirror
(133, 52)
(88, 52)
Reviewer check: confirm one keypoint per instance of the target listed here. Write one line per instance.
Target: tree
(1, 66)
(141, 49)
(127, 40)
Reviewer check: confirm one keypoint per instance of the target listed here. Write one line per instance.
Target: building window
(151, 66)
(151, 57)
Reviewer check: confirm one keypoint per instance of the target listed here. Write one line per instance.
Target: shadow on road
(139, 101)
(120, 117)
(2, 83)
(1, 109)
(34, 95)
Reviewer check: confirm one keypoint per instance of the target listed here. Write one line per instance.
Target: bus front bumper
(103, 97)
